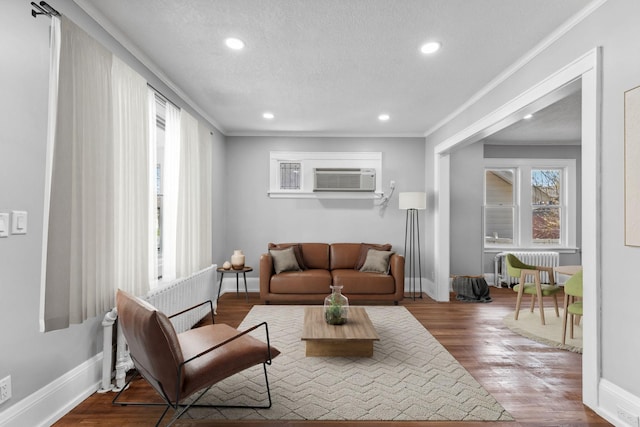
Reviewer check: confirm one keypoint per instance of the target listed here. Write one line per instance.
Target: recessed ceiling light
(268, 115)
(233, 43)
(528, 116)
(383, 117)
(430, 47)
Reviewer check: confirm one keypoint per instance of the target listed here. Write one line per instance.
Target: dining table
(569, 270)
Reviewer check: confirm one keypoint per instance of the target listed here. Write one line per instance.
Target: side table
(243, 271)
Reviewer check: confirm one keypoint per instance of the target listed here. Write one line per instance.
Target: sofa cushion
(301, 282)
(284, 260)
(344, 255)
(315, 255)
(297, 250)
(355, 282)
(364, 249)
(377, 261)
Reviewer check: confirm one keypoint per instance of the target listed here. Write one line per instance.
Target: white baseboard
(53, 401)
(430, 289)
(416, 285)
(229, 284)
(618, 406)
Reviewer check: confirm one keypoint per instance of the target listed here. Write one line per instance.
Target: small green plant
(334, 313)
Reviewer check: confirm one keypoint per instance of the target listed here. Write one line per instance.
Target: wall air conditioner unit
(344, 179)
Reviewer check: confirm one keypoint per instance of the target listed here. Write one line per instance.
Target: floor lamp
(413, 202)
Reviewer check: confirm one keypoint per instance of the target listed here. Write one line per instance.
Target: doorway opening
(586, 72)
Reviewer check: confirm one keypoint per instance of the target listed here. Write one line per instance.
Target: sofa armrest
(266, 271)
(396, 264)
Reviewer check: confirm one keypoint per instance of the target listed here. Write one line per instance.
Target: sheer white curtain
(189, 192)
(194, 199)
(152, 226)
(100, 206)
(54, 66)
(96, 123)
(131, 176)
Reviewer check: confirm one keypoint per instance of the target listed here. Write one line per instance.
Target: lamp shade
(413, 200)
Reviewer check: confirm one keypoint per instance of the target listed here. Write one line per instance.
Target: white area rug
(410, 377)
(528, 325)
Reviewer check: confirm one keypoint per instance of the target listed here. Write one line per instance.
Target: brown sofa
(322, 265)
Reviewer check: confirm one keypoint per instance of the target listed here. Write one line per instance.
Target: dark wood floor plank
(539, 385)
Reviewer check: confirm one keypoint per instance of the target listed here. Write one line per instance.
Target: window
(546, 209)
(500, 205)
(290, 175)
(529, 203)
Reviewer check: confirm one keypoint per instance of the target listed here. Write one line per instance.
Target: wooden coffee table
(353, 339)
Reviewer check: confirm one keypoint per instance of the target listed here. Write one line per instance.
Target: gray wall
(31, 358)
(613, 27)
(254, 219)
(35, 359)
(467, 171)
(219, 208)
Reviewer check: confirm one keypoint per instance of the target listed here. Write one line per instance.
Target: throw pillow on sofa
(364, 251)
(297, 251)
(284, 260)
(377, 261)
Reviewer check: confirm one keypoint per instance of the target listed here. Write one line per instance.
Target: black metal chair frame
(181, 408)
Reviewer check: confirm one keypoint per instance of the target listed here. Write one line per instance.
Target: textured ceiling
(330, 67)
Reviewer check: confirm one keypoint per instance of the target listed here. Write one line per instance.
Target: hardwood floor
(537, 384)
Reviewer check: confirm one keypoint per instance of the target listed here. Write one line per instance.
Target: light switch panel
(4, 224)
(18, 222)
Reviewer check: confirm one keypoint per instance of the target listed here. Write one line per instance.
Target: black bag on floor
(471, 289)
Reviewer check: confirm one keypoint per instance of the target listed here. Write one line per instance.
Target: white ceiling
(330, 67)
(559, 123)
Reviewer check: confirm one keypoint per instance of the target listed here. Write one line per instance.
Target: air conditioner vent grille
(344, 179)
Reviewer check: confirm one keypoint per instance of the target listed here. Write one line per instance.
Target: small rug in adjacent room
(411, 376)
(528, 325)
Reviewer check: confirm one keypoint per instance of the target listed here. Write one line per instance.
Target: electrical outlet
(5, 389)
(628, 417)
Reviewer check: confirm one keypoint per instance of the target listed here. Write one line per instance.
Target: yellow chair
(517, 268)
(572, 290)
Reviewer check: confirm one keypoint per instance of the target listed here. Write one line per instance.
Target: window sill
(345, 195)
(560, 249)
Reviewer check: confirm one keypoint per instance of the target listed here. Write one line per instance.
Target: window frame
(522, 233)
(160, 122)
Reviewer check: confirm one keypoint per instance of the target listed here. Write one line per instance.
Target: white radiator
(169, 299)
(544, 259)
(184, 293)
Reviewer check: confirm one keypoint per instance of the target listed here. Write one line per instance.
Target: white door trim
(587, 69)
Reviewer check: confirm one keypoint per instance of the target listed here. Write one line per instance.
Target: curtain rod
(43, 9)
(164, 98)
